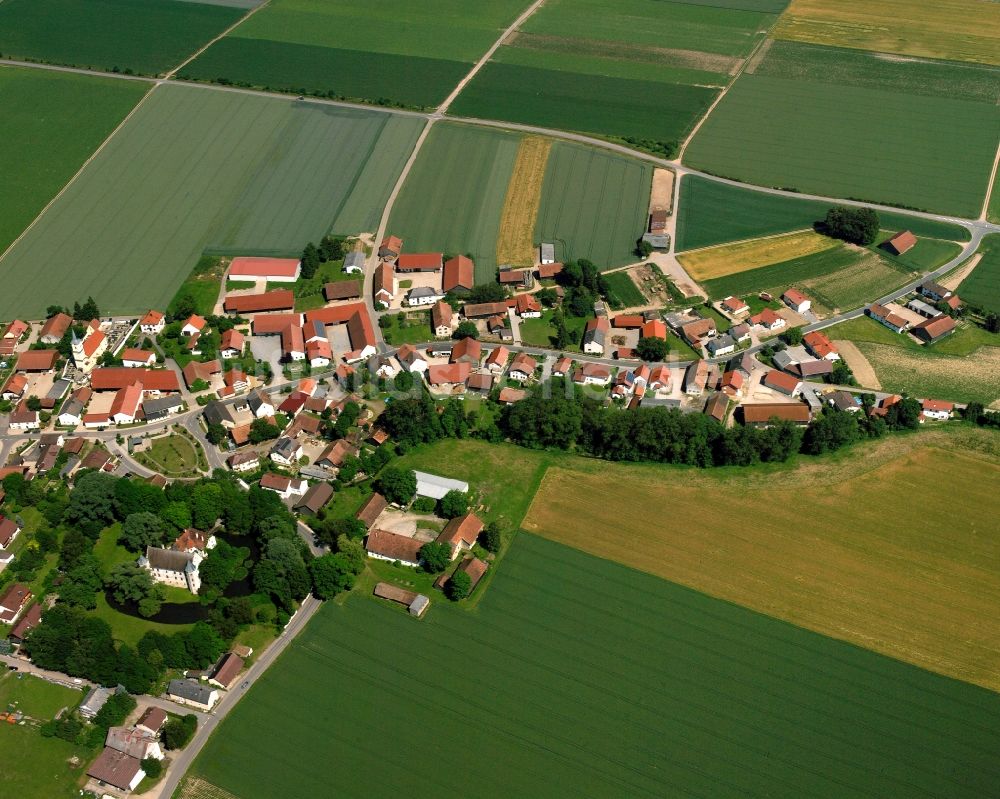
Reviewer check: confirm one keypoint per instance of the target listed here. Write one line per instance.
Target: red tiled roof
(279, 300)
(497, 357)
(273, 323)
(458, 273)
(127, 401)
(419, 260)
(393, 545)
(655, 328)
(56, 326)
(135, 354)
(512, 394)
(464, 529)
(448, 373)
(548, 271)
(342, 290)
(523, 363)
(469, 348)
(354, 315)
(113, 378)
(785, 411)
(628, 321)
(195, 321)
(902, 241)
(794, 296)
(441, 314)
(152, 318)
(232, 339)
(781, 381)
(37, 360)
(264, 267)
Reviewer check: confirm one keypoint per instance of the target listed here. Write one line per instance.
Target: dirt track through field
(858, 363)
(516, 240)
(954, 280)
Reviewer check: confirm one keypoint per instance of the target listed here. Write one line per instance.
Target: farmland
(52, 122)
(621, 291)
(453, 198)
(197, 170)
(594, 204)
(982, 287)
(863, 277)
(712, 213)
(732, 259)
(516, 238)
(843, 137)
(962, 367)
(956, 30)
(583, 677)
(910, 579)
(144, 36)
(399, 53)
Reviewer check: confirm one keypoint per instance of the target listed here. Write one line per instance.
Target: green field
(197, 170)
(578, 677)
(51, 123)
(38, 768)
(144, 36)
(541, 332)
(710, 212)
(982, 287)
(35, 697)
(925, 255)
(621, 291)
(392, 53)
(594, 204)
(820, 132)
(453, 197)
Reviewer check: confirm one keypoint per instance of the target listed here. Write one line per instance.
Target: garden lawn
(191, 171)
(37, 767)
(582, 677)
(594, 204)
(129, 629)
(395, 53)
(35, 697)
(711, 213)
(925, 255)
(414, 330)
(982, 287)
(144, 36)
(174, 455)
(622, 291)
(453, 198)
(845, 140)
(204, 283)
(541, 332)
(51, 123)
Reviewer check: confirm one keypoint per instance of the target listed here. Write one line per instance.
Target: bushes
(177, 732)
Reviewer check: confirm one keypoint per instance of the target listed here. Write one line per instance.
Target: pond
(191, 612)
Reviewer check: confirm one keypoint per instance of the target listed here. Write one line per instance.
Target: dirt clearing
(858, 363)
(729, 259)
(516, 239)
(661, 196)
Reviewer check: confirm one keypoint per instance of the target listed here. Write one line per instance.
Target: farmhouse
(228, 668)
(23, 418)
(483, 310)
(134, 358)
(170, 567)
(371, 510)
(283, 486)
(659, 378)
(934, 329)
(732, 383)
(55, 328)
(448, 374)
(519, 278)
(390, 248)
(411, 359)
(721, 345)
(28, 621)
(768, 320)
(595, 335)
(232, 344)
(14, 388)
(117, 769)
(194, 694)
(459, 274)
(796, 300)
(336, 453)
(901, 242)
(151, 720)
(549, 271)
(37, 361)
(423, 295)
(522, 368)
(420, 262)
(763, 414)
(342, 290)
(354, 262)
(196, 370)
(696, 378)
(819, 344)
(594, 374)
(359, 327)
(496, 361)
(244, 462)
(441, 317)
(152, 323)
(935, 291)
(193, 325)
(784, 383)
(9, 530)
(285, 451)
(125, 407)
(735, 306)
(698, 329)
(383, 545)
(13, 602)
(461, 533)
(133, 742)
(561, 367)
(273, 270)
(279, 300)
(893, 321)
(527, 306)
(937, 409)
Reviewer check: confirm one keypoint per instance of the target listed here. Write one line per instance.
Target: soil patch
(858, 363)
(661, 196)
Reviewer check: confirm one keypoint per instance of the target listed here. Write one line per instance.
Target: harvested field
(453, 198)
(594, 204)
(661, 196)
(516, 239)
(197, 788)
(730, 259)
(858, 364)
(195, 170)
(955, 30)
(915, 580)
(584, 678)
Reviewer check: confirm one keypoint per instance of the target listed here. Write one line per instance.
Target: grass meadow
(35, 697)
(51, 123)
(982, 287)
(397, 53)
(594, 204)
(453, 198)
(843, 136)
(576, 676)
(622, 292)
(846, 552)
(710, 212)
(144, 36)
(39, 768)
(197, 170)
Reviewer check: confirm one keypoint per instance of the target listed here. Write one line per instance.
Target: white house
(193, 694)
(423, 295)
(522, 368)
(283, 486)
(136, 743)
(411, 359)
(937, 409)
(796, 300)
(152, 323)
(170, 567)
(259, 402)
(286, 451)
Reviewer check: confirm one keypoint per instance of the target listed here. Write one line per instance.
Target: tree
(856, 225)
(152, 767)
(176, 514)
(177, 732)
(435, 557)
(81, 583)
(643, 248)
(91, 503)
(459, 586)
(792, 337)
(992, 322)
(114, 711)
(562, 337)
(310, 261)
(331, 574)
(34, 403)
(490, 537)
(74, 545)
(216, 433)
(141, 530)
(202, 645)
(651, 348)
(398, 485)
(263, 430)
(332, 248)
(547, 297)
(328, 531)
(182, 306)
(129, 582)
(579, 301)
(454, 503)
(466, 329)
(487, 292)
(206, 505)
(354, 551)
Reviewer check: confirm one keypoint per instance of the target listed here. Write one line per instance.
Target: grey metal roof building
(435, 487)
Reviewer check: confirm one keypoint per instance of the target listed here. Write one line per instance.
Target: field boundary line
(717, 100)
(989, 186)
(240, 21)
(79, 172)
(517, 23)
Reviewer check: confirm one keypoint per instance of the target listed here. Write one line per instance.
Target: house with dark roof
(194, 694)
(315, 498)
(13, 601)
(117, 769)
(170, 567)
(29, 620)
(934, 329)
(372, 509)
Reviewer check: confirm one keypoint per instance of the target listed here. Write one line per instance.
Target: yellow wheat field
(728, 259)
(516, 240)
